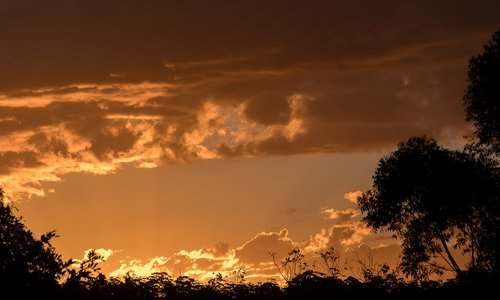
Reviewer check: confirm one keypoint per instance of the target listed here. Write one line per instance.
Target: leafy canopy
(482, 96)
(26, 261)
(428, 195)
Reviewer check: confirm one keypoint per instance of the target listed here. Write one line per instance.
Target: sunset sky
(198, 136)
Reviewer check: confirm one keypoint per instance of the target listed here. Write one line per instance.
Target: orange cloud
(254, 256)
(96, 129)
(137, 268)
(353, 196)
(341, 216)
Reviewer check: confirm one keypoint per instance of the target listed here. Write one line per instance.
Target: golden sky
(198, 136)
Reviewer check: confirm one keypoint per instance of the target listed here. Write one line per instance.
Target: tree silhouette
(428, 196)
(482, 106)
(27, 265)
(482, 96)
(84, 274)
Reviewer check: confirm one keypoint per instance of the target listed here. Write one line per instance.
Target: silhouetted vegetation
(28, 266)
(432, 198)
(429, 196)
(482, 97)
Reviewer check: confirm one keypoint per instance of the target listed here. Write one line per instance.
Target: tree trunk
(453, 262)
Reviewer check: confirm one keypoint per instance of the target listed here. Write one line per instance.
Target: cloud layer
(87, 86)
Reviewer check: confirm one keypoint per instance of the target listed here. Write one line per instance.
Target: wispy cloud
(341, 216)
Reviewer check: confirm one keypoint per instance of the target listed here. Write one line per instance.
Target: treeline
(307, 285)
(382, 284)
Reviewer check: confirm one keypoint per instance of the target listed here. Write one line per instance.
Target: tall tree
(428, 196)
(482, 96)
(482, 107)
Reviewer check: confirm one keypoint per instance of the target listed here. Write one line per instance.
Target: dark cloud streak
(63, 42)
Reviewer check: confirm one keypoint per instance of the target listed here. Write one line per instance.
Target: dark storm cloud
(62, 42)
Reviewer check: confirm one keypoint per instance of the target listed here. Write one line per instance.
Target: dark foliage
(482, 97)
(28, 265)
(427, 196)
